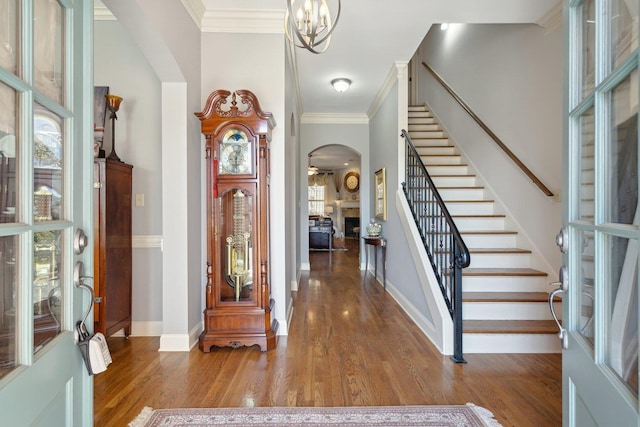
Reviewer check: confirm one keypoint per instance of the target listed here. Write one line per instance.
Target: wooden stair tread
(457, 201)
(480, 216)
(494, 251)
(454, 176)
(505, 296)
(509, 327)
(493, 232)
(516, 272)
(499, 251)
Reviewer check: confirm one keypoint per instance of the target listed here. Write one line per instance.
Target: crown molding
(552, 20)
(336, 119)
(393, 75)
(251, 21)
(101, 12)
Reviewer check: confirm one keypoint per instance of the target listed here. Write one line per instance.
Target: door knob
(80, 241)
(562, 240)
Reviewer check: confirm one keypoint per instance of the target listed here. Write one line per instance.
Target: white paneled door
(46, 151)
(601, 217)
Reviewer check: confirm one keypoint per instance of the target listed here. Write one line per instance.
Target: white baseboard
(143, 329)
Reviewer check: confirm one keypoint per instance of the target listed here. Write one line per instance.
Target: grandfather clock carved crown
(238, 294)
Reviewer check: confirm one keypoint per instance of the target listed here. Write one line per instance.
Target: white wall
(511, 76)
(257, 62)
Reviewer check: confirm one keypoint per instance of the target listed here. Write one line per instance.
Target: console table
(377, 242)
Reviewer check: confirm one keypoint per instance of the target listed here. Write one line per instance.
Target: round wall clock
(352, 182)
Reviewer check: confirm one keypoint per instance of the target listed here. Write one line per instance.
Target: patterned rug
(468, 415)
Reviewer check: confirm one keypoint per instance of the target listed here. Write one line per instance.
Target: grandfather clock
(238, 310)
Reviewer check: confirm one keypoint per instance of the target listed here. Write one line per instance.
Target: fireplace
(350, 223)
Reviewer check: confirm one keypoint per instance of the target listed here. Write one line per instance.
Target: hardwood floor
(349, 344)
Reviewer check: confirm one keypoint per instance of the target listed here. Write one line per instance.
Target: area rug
(468, 415)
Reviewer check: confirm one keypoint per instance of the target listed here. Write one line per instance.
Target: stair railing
(489, 132)
(447, 251)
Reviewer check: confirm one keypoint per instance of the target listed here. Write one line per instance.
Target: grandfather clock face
(235, 153)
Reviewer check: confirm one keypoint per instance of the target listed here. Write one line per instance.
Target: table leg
(375, 262)
(384, 268)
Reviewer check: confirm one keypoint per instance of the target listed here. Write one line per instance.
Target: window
(316, 200)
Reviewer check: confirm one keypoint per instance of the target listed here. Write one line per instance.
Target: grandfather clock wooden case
(238, 293)
(112, 246)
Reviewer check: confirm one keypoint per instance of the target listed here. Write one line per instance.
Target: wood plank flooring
(349, 344)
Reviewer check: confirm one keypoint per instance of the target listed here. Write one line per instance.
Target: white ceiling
(369, 38)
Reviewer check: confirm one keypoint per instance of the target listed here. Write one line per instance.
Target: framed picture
(380, 192)
(99, 114)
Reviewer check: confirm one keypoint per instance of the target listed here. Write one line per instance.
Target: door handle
(562, 287)
(562, 333)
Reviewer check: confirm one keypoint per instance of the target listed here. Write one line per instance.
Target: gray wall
(119, 64)
(257, 62)
(511, 76)
(401, 270)
(313, 136)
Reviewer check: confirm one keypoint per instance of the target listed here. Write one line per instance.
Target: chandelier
(311, 25)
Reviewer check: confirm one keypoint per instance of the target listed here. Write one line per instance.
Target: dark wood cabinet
(112, 246)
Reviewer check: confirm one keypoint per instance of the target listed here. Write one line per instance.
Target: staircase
(505, 307)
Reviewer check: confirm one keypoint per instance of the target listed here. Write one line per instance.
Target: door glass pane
(587, 295)
(622, 354)
(8, 277)
(588, 47)
(587, 170)
(47, 165)
(9, 35)
(8, 139)
(48, 43)
(624, 39)
(47, 295)
(622, 171)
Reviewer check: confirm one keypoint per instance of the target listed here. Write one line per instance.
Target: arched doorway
(333, 173)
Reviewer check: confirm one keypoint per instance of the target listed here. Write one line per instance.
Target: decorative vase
(374, 229)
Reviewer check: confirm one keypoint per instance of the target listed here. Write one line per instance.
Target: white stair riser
(444, 181)
(510, 343)
(455, 159)
(516, 260)
(431, 142)
(436, 133)
(505, 284)
(462, 193)
(509, 310)
(421, 120)
(438, 150)
(467, 208)
(424, 134)
(479, 223)
(489, 240)
(447, 170)
(424, 127)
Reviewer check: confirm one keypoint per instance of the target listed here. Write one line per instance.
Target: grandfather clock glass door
(237, 272)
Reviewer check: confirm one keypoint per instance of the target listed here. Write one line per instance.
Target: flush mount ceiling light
(310, 27)
(341, 84)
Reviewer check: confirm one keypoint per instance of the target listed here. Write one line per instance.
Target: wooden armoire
(238, 293)
(112, 246)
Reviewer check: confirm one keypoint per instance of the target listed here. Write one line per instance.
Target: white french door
(601, 216)
(46, 115)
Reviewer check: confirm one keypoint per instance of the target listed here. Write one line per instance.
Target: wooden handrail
(489, 132)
